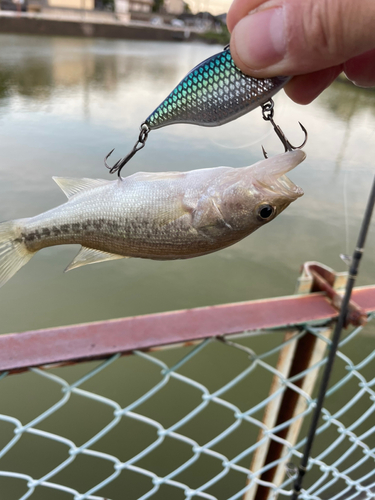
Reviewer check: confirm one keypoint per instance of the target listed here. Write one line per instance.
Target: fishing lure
(213, 93)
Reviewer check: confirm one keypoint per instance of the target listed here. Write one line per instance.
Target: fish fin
(13, 252)
(91, 256)
(180, 210)
(208, 215)
(71, 186)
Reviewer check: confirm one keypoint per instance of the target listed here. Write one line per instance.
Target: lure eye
(265, 212)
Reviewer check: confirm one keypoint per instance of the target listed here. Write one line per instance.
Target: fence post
(294, 358)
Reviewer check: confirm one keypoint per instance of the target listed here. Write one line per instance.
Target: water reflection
(345, 100)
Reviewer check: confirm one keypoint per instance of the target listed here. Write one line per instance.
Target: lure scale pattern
(213, 93)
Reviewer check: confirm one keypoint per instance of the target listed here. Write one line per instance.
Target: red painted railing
(101, 339)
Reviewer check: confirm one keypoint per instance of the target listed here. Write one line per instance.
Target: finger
(240, 9)
(361, 69)
(298, 37)
(303, 89)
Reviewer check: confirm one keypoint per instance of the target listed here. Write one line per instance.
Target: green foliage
(109, 5)
(158, 5)
(214, 37)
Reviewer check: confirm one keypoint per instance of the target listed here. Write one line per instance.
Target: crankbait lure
(213, 93)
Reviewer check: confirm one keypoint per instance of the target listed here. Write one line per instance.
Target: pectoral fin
(172, 214)
(208, 215)
(90, 256)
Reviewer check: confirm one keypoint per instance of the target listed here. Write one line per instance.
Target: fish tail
(13, 251)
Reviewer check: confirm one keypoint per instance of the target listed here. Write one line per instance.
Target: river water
(65, 103)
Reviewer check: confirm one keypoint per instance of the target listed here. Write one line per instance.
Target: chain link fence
(225, 418)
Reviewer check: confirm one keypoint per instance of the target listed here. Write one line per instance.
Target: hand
(312, 39)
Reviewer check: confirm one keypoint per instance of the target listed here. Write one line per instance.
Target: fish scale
(159, 216)
(213, 93)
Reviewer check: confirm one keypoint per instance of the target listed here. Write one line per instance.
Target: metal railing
(220, 418)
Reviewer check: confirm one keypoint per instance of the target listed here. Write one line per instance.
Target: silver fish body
(161, 216)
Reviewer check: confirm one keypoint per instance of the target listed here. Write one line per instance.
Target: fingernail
(260, 38)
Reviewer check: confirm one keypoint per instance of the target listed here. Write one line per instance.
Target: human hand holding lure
(215, 92)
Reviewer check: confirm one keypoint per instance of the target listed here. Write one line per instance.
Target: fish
(213, 93)
(160, 216)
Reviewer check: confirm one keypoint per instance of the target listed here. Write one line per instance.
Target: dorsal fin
(71, 186)
(91, 256)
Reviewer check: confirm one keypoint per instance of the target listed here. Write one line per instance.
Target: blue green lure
(213, 93)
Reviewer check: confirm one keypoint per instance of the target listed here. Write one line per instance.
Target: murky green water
(64, 103)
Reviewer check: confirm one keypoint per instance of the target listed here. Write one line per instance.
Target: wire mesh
(188, 423)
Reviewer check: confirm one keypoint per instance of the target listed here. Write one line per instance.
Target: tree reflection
(57, 63)
(345, 100)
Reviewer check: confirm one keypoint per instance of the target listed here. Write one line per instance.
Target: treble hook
(267, 113)
(117, 167)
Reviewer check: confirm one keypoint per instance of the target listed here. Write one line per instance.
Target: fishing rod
(353, 272)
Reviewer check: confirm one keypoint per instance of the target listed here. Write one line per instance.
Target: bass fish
(161, 216)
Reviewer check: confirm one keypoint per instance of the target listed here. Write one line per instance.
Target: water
(64, 103)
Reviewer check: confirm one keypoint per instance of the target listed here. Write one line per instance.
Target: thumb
(290, 37)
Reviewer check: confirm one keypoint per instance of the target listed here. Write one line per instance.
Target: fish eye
(265, 211)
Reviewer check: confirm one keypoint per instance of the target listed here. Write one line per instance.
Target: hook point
(268, 112)
(306, 136)
(105, 159)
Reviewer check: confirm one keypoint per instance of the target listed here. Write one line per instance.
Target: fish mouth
(283, 185)
(271, 174)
